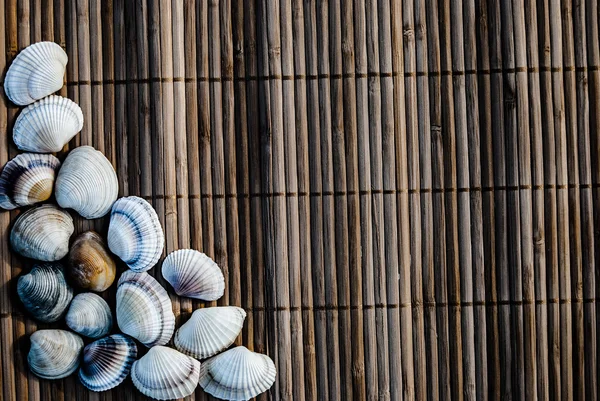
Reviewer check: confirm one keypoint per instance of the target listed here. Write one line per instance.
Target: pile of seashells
(87, 183)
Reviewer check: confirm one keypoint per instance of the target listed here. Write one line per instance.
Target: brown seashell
(90, 264)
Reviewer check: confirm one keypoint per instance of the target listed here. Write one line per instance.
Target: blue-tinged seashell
(194, 274)
(89, 315)
(54, 354)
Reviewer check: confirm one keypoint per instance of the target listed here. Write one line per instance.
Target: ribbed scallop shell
(107, 362)
(193, 274)
(165, 374)
(209, 331)
(54, 354)
(144, 310)
(45, 292)
(87, 183)
(135, 234)
(47, 125)
(27, 179)
(237, 374)
(42, 233)
(90, 265)
(36, 72)
(89, 315)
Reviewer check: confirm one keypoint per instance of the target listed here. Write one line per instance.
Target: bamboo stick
(107, 75)
(58, 10)
(47, 21)
(35, 19)
(72, 70)
(126, 125)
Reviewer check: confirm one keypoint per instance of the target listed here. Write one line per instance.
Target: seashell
(209, 331)
(42, 233)
(107, 362)
(165, 374)
(87, 183)
(135, 234)
(237, 374)
(27, 179)
(36, 72)
(45, 292)
(89, 315)
(47, 125)
(144, 309)
(90, 265)
(193, 274)
(54, 354)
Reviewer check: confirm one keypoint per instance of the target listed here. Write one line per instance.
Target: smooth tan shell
(54, 354)
(90, 265)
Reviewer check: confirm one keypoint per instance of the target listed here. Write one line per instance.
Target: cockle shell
(89, 315)
(144, 309)
(90, 265)
(45, 292)
(47, 125)
(165, 374)
(54, 354)
(107, 362)
(42, 233)
(36, 72)
(193, 274)
(87, 183)
(237, 374)
(135, 234)
(209, 331)
(27, 179)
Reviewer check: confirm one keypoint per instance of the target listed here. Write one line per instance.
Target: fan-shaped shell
(54, 354)
(90, 265)
(193, 274)
(89, 315)
(237, 374)
(144, 310)
(42, 233)
(209, 331)
(45, 292)
(107, 362)
(165, 374)
(135, 234)
(36, 72)
(27, 179)
(87, 183)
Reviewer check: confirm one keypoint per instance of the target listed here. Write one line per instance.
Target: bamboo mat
(403, 195)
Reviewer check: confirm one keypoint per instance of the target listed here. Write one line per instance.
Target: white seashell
(135, 234)
(36, 72)
(193, 274)
(209, 331)
(27, 179)
(144, 309)
(237, 374)
(54, 354)
(165, 374)
(89, 315)
(42, 233)
(47, 125)
(107, 362)
(45, 292)
(87, 183)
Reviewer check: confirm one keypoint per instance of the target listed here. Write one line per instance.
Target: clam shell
(165, 374)
(36, 72)
(89, 315)
(209, 331)
(45, 292)
(107, 362)
(42, 233)
(47, 125)
(135, 234)
(27, 179)
(193, 274)
(237, 374)
(87, 183)
(54, 354)
(90, 265)
(144, 309)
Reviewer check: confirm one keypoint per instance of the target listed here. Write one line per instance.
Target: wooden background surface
(403, 195)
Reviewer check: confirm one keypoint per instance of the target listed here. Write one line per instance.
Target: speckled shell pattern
(44, 292)
(27, 179)
(54, 354)
(89, 315)
(91, 267)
